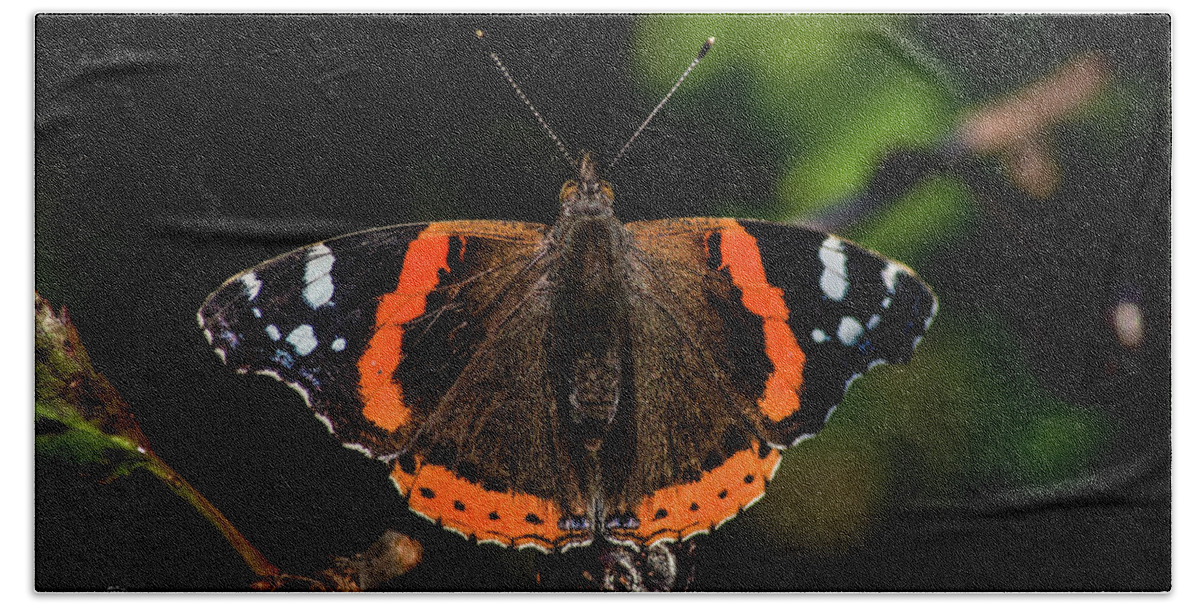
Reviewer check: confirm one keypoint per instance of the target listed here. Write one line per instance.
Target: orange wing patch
(739, 252)
(424, 261)
(680, 511)
(510, 519)
(383, 401)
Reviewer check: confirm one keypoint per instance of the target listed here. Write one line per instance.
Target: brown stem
(71, 390)
(251, 555)
(1030, 112)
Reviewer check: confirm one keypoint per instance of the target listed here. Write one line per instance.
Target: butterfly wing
(756, 330)
(402, 376)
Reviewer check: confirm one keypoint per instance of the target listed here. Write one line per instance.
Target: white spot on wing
(889, 274)
(338, 345)
(299, 388)
(450, 528)
(319, 292)
(873, 322)
(303, 339)
(296, 386)
(753, 501)
(631, 543)
(320, 262)
(326, 422)
(273, 375)
(572, 544)
(849, 330)
(529, 545)
(833, 277)
(251, 285)
(257, 313)
(352, 446)
(273, 333)
(318, 287)
(806, 436)
(424, 516)
(774, 469)
(819, 336)
(849, 381)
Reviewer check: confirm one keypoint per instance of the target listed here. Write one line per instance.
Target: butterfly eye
(569, 192)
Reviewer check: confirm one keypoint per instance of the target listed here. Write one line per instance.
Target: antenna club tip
(711, 40)
(707, 45)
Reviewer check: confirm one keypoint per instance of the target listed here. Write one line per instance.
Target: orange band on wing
(739, 252)
(383, 400)
(677, 512)
(512, 519)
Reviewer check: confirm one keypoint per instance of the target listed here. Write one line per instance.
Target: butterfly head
(588, 195)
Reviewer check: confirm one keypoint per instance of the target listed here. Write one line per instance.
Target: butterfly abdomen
(590, 314)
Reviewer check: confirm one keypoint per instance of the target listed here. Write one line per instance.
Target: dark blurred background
(1026, 447)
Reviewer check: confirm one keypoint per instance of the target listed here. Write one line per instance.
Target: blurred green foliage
(966, 415)
(962, 417)
(841, 90)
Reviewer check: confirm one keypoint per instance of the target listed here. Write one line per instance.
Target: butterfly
(545, 386)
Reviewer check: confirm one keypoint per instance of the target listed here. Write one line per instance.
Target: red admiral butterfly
(542, 386)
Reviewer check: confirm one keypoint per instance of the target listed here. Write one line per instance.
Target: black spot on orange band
(512, 519)
(668, 521)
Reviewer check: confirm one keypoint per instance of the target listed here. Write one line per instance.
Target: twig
(71, 392)
(1016, 130)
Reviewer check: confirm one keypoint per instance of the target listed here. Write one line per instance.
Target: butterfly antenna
(703, 51)
(504, 71)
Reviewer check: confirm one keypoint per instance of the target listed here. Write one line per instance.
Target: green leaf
(78, 417)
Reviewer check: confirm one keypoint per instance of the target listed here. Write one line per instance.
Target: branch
(80, 418)
(1016, 130)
